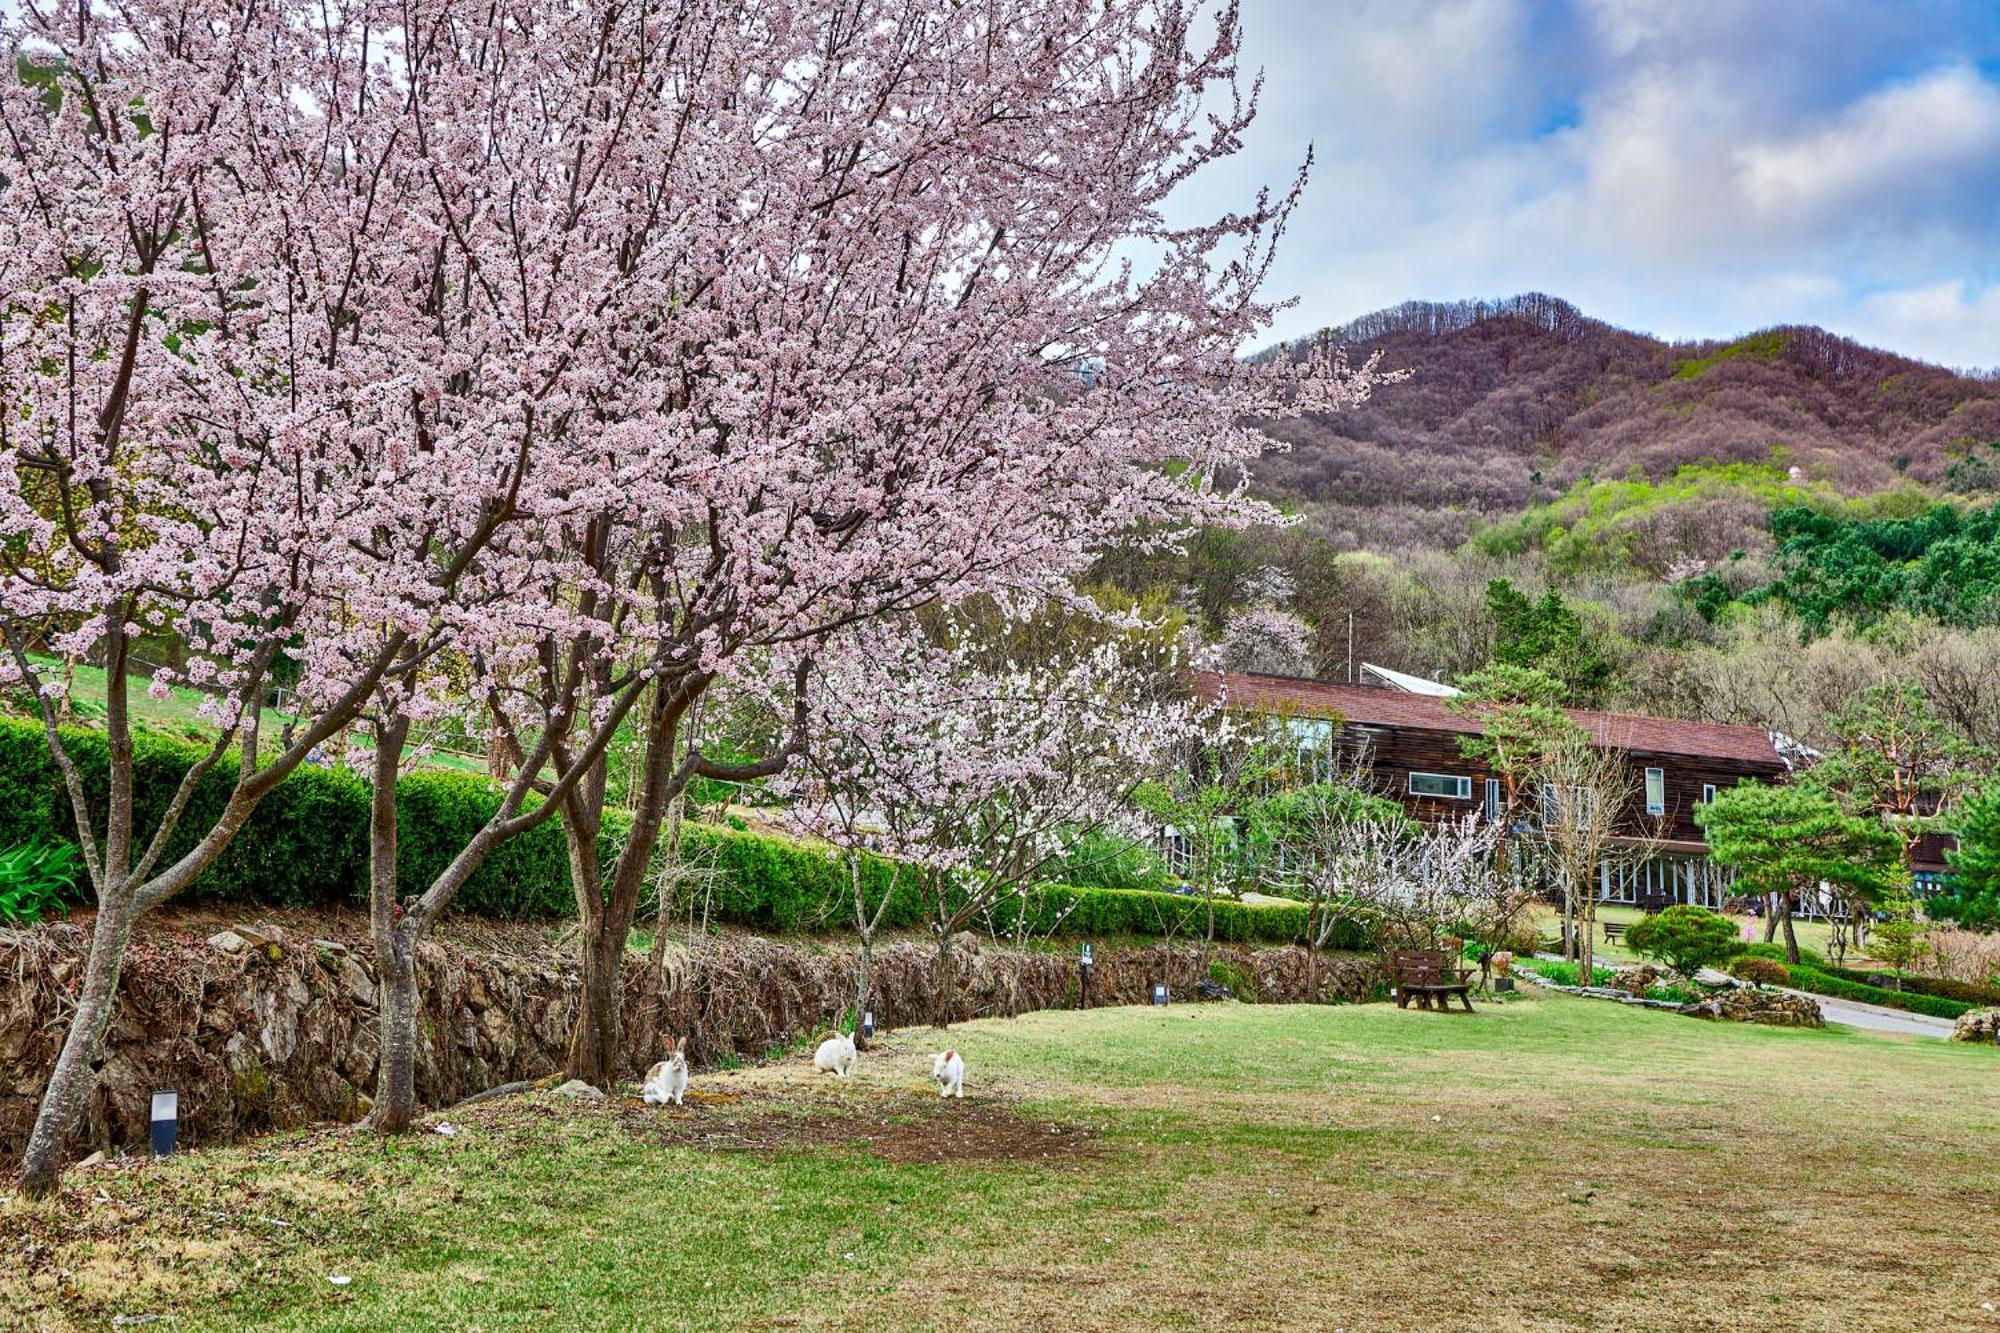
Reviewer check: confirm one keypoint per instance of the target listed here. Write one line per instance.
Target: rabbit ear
(680, 1045)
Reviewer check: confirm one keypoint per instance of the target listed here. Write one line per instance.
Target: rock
(580, 1090)
(1773, 1008)
(477, 996)
(334, 947)
(360, 986)
(95, 1159)
(1209, 989)
(1981, 1025)
(1636, 980)
(228, 941)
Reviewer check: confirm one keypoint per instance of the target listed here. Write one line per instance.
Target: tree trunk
(1586, 934)
(864, 971)
(396, 1080)
(947, 982)
(395, 946)
(75, 1073)
(1770, 917)
(1569, 922)
(1791, 939)
(594, 1039)
(656, 957)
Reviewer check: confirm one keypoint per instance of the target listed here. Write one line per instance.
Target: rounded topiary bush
(1761, 971)
(1685, 938)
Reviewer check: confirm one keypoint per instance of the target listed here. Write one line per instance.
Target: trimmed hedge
(307, 846)
(1924, 995)
(1819, 983)
(1983, 997)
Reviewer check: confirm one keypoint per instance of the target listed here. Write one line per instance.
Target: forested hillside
(1749, 531)
(1512, 401)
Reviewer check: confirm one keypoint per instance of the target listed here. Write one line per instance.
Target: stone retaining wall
(262, 1026)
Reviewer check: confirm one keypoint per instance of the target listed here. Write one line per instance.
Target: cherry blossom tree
(974, 773)
(545, 359)
(236, 421)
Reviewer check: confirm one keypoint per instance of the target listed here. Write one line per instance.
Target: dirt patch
(894, 1124)
(903, 1127)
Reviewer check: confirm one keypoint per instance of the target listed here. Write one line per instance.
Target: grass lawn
(1550, 1163)
(179, 715)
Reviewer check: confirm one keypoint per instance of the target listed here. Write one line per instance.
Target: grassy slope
(179, 714)
(1548, 1164)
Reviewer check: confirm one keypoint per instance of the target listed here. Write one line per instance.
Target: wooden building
(1409, 743)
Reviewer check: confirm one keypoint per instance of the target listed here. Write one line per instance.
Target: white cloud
(1952, 322)
(1894, 151)
(1695, 169)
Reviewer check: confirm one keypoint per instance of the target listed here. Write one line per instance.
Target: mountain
(1512, 401)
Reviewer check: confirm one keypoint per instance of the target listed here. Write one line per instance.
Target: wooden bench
(1612, 930)
(1423, 974)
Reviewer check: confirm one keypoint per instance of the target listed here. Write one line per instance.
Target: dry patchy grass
(1545, 1164)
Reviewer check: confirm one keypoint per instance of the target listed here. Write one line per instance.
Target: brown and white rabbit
(836, 1055)
(948, 1068)
(667, 1081)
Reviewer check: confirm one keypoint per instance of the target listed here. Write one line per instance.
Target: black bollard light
(1160, 993)
(166, 1122)
(1083, 973)
(868, 1025)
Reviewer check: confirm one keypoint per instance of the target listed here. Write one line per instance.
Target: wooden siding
(1396, 752)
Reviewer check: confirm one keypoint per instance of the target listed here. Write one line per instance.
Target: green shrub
(1839, 988)
(1986, 997)
(1684, 937)
(36, 879)
(1101, 859)
(1566, 974)
(307, 846)
(1234, 979)
(1760, 971)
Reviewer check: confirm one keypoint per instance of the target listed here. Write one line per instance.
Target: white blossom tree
(976, 774)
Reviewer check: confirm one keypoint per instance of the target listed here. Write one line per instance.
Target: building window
(1568, 807)
(1493, 802)
(1707, 792)
(1925, 883)
(1656, 791)
(1448, 785)
(1312, 741)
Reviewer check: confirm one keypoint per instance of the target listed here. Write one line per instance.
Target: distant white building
(1382, 677)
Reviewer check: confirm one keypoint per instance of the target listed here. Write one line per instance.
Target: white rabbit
(667, 1081)
(948, 1068)
(836, 1055)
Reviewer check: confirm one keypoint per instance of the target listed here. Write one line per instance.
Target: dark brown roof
(1372, 707)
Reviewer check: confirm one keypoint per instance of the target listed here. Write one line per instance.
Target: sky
(1688, 168)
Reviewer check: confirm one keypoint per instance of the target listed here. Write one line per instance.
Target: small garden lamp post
(166, 1121)
(868, 1025)
(1160, 993)
(1083, 974)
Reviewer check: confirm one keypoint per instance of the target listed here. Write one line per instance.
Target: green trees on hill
(1943, 563)
(1545, 634)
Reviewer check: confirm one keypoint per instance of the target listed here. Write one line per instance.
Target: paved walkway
(1878, 1018)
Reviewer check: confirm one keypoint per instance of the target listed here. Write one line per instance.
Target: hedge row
(1983, 997)
(1819, 983)
(307, 845)
(1813, 973)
